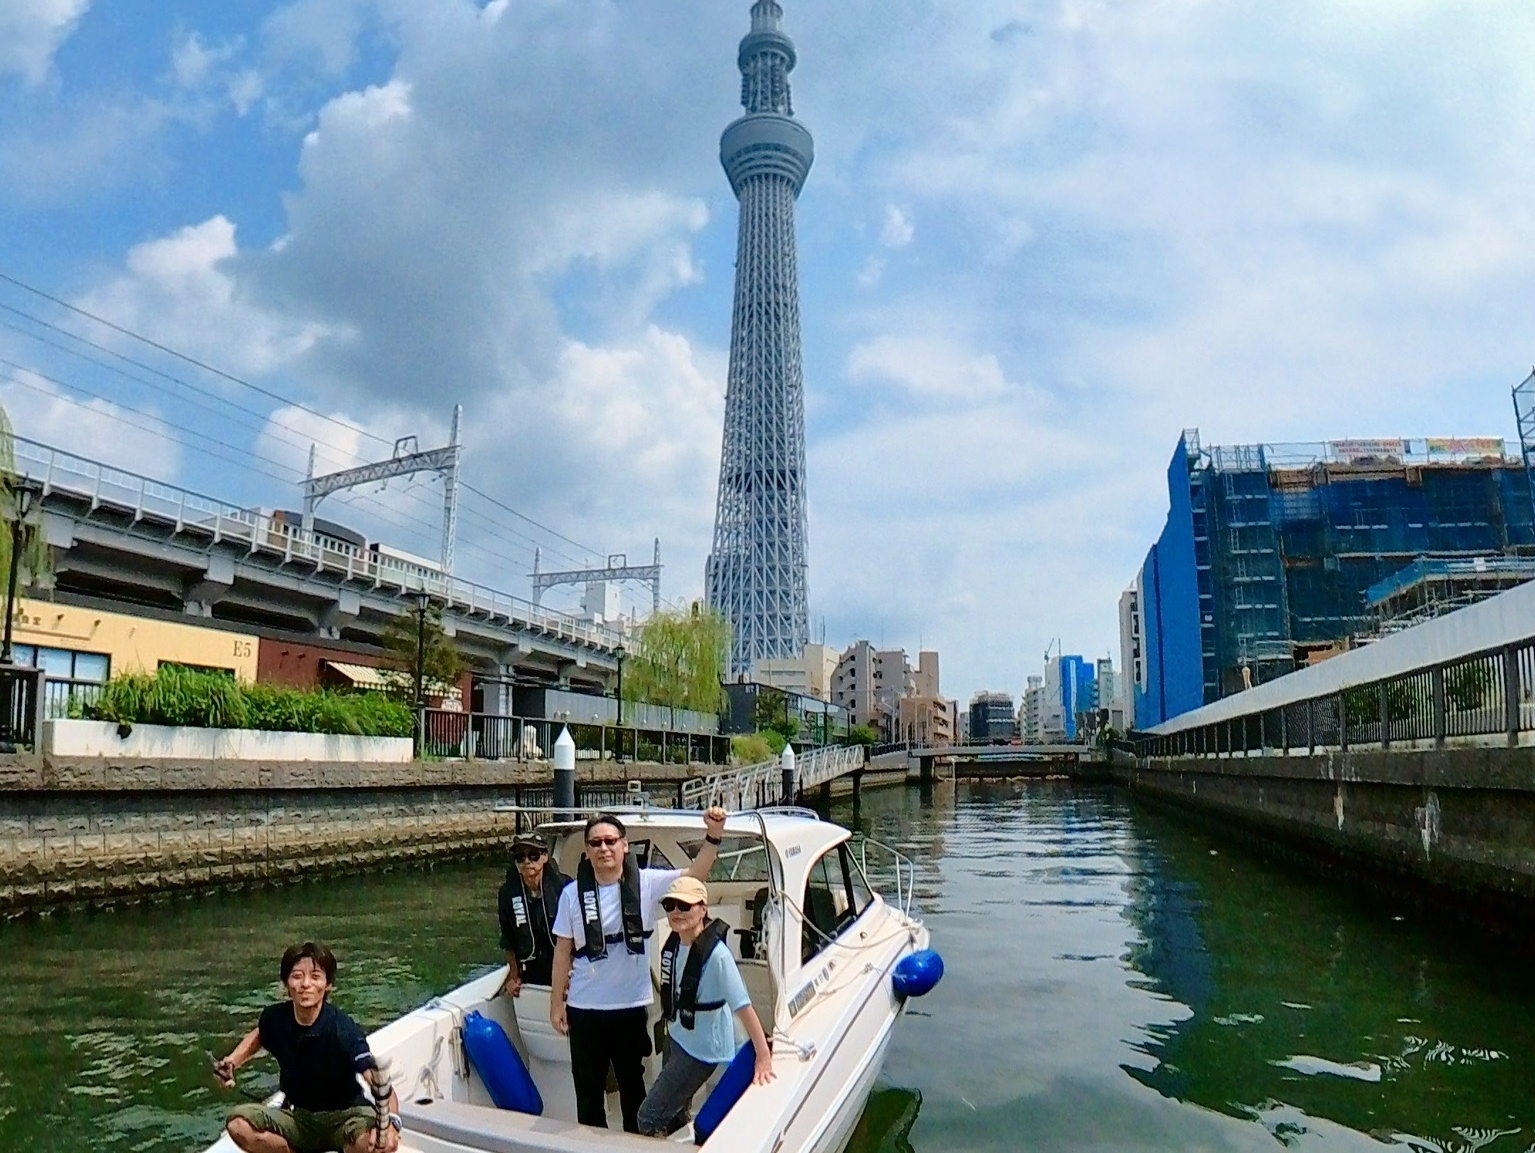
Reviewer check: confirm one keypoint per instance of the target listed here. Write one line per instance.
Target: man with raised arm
(601, 984)
(320, 1054)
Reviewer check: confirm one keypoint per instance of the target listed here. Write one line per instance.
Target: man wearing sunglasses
(601, 980)
(701, 988)
(526, 905)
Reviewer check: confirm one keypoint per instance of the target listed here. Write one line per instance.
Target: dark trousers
(666, 1105)
(600, 1038)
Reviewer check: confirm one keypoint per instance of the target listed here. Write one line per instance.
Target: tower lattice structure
(756, 573)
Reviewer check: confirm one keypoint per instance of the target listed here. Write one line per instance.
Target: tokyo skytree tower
(755, 576)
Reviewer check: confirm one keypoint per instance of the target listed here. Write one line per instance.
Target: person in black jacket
(526, 905)
(320, 1054)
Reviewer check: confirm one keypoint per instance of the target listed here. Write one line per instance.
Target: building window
(65, 664)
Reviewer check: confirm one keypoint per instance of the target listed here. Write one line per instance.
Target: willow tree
(36, 561)
(678, 659)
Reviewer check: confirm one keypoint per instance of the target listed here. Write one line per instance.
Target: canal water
(1116, 981)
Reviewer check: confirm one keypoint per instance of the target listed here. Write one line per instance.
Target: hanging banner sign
(1358, 451)
(1464, 447)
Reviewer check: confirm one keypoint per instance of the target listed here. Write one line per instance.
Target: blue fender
(500, 1066)
(726, 1092)
(917, 973)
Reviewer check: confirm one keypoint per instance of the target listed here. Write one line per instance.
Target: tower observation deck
(756, 573)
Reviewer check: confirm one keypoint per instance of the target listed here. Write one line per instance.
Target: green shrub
(186, 697)
(750, 749)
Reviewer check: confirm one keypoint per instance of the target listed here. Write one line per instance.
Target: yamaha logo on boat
(589, 903)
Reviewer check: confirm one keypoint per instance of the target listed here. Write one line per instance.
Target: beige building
(1031, 711)
(91, 645)
(880, 689)
(810, 674)
(926, 720)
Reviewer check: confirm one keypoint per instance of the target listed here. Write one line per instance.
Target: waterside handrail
(761, 785)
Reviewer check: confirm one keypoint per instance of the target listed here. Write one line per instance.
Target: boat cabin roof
(796, 837)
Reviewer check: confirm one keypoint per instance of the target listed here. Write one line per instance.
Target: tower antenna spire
(756, 573)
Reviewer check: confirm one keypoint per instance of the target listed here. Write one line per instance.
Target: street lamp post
(25, 497)
(618, 753)
(423, 602)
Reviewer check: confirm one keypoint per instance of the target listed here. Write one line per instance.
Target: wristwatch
(394, 1119)
(713, 840)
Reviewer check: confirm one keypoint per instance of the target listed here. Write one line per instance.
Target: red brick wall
(297, 663)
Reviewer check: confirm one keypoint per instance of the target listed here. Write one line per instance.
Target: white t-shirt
(621, 980)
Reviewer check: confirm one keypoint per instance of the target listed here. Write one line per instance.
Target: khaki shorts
(307, 1132)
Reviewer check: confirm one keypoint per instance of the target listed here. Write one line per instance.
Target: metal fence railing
(1480, 698)
(489, 737)
(21, 708)
(61, 697)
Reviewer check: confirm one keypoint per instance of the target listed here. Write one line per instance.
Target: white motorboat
(828, 961)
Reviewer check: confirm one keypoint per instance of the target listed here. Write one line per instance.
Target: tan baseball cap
(689, 889)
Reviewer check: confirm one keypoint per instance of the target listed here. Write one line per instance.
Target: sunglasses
(527, 855)
(672, 905)
(603, 842)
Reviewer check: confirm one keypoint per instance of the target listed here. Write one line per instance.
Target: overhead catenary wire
(262, 424)
(192, 440)
(263, 391)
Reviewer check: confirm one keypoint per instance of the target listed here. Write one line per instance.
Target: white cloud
(929, 368)
(96, 429)
(898, 230)
(31, 32)
(198, 67)
(1136, 216)
(181, 291)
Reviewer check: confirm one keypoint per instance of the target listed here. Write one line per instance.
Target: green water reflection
(1115, 981)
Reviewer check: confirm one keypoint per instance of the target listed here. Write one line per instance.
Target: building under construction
(1276, 555)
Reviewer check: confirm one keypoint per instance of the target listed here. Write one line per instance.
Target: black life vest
(684, 1004)
(515, 898)
(589, 906)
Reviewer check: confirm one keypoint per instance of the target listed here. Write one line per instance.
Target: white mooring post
(565, 774)
(789, 773)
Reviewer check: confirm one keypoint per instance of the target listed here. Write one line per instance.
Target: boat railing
(902, 868)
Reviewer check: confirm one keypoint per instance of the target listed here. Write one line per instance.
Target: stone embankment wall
(101, 829)
(1457, 824)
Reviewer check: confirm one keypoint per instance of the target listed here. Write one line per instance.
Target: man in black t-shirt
(320, 1054)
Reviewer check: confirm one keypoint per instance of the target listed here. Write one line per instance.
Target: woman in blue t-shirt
(701, 990)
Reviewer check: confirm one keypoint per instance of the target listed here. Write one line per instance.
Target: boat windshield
(740, 858)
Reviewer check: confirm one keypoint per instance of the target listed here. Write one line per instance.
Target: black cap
(531, 840)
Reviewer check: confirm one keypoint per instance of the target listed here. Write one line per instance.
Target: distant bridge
(1036, 758)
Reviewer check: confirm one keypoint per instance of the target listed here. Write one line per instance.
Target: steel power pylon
(405, 462)
(618, 569)
(1524, 413)
(756, 572)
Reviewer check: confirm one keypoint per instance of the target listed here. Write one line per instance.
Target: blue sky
(1040, 239)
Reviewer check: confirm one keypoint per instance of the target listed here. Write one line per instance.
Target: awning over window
(367, 677)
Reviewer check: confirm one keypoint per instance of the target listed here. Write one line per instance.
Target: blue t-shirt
(713, 1036)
